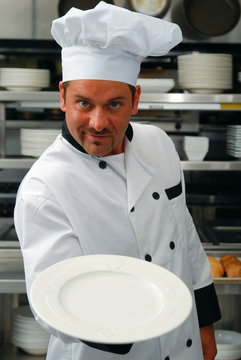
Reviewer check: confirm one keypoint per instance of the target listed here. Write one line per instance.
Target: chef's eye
(114, 105)
(84, 104)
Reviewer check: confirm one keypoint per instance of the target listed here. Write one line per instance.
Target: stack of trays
(27, 334)
(205, 73)
(234, 140)
(196, 147)
(35, 141)
(22, 79)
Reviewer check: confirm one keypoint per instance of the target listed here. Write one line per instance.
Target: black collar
(66, 134)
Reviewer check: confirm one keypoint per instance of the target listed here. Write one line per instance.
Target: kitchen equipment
(150, 7)
(65, 5)
(205, 73)
(203, 19)
(110, 299)
(228, 345)
(27, 333)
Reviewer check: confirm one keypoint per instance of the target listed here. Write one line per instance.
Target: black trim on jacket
(67, 135)
(207, 305)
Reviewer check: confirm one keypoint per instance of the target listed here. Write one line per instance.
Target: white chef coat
(71, 203)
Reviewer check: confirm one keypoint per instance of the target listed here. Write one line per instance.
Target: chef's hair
(65, 85)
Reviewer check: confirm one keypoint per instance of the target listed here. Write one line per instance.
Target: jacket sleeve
(45, 235)
(204, 291)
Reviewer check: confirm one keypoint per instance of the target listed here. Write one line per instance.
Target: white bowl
(196, 147)
(41, 351)
(228, 345)
(155, 85)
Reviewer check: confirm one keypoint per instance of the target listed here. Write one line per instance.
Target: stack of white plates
(234, 140)
(22, 79)
(196, 147)
(205, 73)
(27, 334)
(155, 85)
(35, 141)
(228, 345)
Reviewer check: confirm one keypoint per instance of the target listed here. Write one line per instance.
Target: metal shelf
(149, 101)
(16, 163)
(33, 124)
(173, 101)
(211, 165)
(26, 163)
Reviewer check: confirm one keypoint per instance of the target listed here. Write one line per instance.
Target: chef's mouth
(99, 134)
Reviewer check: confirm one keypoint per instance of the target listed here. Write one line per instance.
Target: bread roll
(216, 267)
(231, 265)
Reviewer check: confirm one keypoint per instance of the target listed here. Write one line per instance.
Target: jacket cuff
(121, 349)
(207, 305)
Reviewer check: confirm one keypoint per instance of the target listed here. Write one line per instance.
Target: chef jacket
(71, 203)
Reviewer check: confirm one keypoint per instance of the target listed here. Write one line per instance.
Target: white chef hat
(109, 42)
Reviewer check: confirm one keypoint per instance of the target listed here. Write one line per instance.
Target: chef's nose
(98, 119)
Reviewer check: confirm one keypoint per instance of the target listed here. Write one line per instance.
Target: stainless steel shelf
(8, 96)
(38, 96)
(16, 163)
(149, 101)
(211, 165)
(26, 163)
(191, 98)
(173, 101)
(34, 124)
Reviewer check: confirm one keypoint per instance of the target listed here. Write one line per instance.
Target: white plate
(155, 85)
(110, 299)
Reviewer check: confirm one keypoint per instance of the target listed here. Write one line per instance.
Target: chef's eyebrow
(84, 98)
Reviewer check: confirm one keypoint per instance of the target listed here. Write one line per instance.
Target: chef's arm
(208, 312)
(46, 237)
(208, 342)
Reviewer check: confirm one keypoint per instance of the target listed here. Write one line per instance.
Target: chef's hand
(208, 342)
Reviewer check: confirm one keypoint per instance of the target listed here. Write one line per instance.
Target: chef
(108, 186)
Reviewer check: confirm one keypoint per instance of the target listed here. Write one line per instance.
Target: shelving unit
(148, 101)
(11, 264)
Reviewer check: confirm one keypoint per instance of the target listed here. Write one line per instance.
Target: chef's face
(97, 113)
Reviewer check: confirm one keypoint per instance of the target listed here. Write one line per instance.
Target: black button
(132, 209)
(189, 342)
(172, 245)
(148, 257)
(167, 358)
(102, 164)
(155, 195)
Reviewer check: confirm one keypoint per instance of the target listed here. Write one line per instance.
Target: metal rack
(148, 101)
(12, 279)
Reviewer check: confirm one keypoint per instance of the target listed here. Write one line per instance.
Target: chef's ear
(136, 100)
(62, 96)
